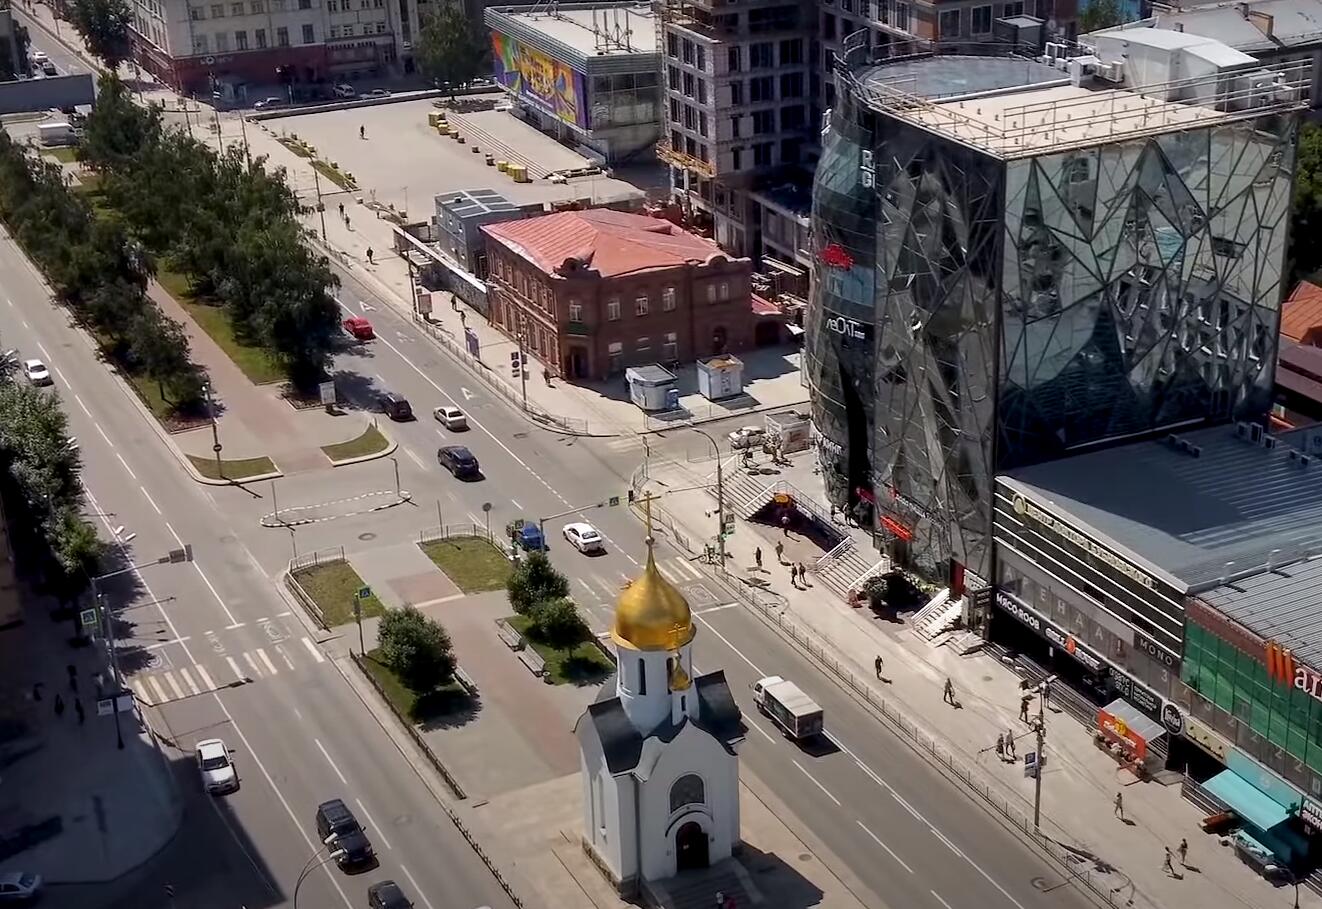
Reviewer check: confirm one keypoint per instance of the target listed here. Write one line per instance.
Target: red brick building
(596, 291)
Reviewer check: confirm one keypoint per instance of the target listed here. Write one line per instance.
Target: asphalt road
(218, 650)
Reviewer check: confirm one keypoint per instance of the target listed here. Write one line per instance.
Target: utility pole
(215, 433)
(720, 496)
(523, 358)
(1042, 689)
(321, 208)
(243, 128)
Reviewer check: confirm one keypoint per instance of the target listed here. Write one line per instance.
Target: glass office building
(1012, 264)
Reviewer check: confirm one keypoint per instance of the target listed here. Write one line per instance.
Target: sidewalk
(91, 811)
(1079, 782)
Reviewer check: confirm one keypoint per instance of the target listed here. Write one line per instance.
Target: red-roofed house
(597, 291)
(1301, 316)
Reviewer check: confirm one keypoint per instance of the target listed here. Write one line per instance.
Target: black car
(387, 895)
(458, 460)
(334, 817)
(394, 406)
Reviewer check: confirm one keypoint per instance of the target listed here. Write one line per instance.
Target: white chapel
(660, 773)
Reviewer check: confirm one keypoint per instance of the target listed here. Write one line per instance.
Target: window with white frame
(199, 44)
(575, 311)
(241, 40)
(613, 309)
(711, 293)
(668, 299)
(217, 11)
(725, 291)
(640, 305)
(670, 349)
(948, 24)
(222, 41)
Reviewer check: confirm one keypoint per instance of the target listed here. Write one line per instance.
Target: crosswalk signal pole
(1042, 689)
(720, 497)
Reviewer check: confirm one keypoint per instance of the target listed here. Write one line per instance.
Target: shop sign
(1053, 634)
(901, 532)
(847, 327)
(906, 501)
(1172, 717)
(1027, 509)
(1119, 729)
(1159, 654)
(1212, 743)
(1311, 813)
(1282, 666)
(836, 256)
(830, 447)
(1011, 605)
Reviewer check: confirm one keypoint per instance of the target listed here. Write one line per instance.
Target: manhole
(1040, 883)
(371, 536)
(805, 856)
(520, 435)
(229, 538)
(987, 678)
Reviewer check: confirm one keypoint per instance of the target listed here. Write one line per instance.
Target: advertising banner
(548, 84)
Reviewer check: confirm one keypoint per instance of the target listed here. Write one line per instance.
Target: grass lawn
(332, 174)
(333, 587)
(89, 183)
(473, 563)
(295, 146)
(150, 393)
(257, 364)
(239, 469)
(444, 700)
(582, 664)
(63, 154)
(370, 442)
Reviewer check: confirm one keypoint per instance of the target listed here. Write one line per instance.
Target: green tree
(1100, 14)
(416, 649)
(160, 346)
(1305, 253)
(559, 624)
(533, 582)
(451, 49)
(105, 25)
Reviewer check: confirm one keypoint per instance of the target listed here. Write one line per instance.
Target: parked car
(747, 437)
(48, 69)
(459, 461)
(268, 103)
(584, 537)
(37, 373)
(213, 763)
(379, 93)
(19, 887)
(38, 57)
(395, 406)
(527, 534)
(387, 895)
(334, 817)
(359, 328)
(450, 417)
(345, 90)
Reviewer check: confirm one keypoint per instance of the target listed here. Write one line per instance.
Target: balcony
(676, 158)
(578, 329)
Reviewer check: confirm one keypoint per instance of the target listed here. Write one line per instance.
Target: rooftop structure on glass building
(1021, 256)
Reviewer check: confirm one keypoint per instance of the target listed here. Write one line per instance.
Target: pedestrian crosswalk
(607, 586)
(161, 686)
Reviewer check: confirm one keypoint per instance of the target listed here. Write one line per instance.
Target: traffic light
(516, 363)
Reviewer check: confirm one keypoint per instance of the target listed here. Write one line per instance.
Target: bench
(513, 640)
(466, 681)
(533, 660)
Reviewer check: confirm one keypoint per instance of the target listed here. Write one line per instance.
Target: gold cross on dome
(647, 499)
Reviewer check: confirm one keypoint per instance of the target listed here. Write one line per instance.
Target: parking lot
(404, 163)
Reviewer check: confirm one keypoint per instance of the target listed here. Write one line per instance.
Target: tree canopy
(105, 25)
(1100, 14)
(1305, 252)
(535, 581)
(416, 649)
(451, 49)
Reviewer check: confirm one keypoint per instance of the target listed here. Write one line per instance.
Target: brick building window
(614, 356)
(640, 305)
(613, 309)
(711, 293)
(668, 299)
(575, 311)
(670, 349)
(643, 345)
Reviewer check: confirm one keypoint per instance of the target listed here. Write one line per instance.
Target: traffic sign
(364, 592)
(1031, 765)
(614, 500)
(217, 448)
(87, 618)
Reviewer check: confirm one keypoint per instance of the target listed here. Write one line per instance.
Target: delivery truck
(52, 134)
(798, 715)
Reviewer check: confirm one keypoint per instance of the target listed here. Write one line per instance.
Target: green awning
(1247, 800)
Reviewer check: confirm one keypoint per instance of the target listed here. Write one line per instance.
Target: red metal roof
(1302, 312)
(612, 243)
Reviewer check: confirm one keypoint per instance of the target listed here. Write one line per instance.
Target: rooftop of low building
(591, 29)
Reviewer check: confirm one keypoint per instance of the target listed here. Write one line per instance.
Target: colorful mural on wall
(551, 85)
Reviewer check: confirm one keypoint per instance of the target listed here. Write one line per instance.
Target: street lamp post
(315, 862)
(215, 430)
(395, 461)
(1043, 688)
(108, 624)
(720, 495)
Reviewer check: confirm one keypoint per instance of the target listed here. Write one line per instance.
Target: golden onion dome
(650, 614)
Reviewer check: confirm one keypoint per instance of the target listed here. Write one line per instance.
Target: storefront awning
(1246, 800)
(1120, 721)
(1136, 720)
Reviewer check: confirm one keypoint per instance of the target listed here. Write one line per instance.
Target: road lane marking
(611, 589)
(150, 500)
(266, 661)
(44, 352)
(946, 840)
(159, 644)
(375, 826)
(912, 810)
(326, 755)
(188, 680)
(81, 404)
(279, 648)
(588, 587)
(312, 649)
(416, 889)
(234, 623)
(205, 677)
(515, 503)
(103, 434)
(63, 380)
(758, 727)
(234, 668)
(684, 566)
(252, 664)
(876, 839)
(716, 608)
(126, 465)
(25, 323)
(238, 730)
(819, 785)
(140, 691)
(413, 457)
(156, 689)
(940, 900)
(739, 653)
(174, 685)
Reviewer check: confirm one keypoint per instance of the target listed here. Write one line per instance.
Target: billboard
(549, 84)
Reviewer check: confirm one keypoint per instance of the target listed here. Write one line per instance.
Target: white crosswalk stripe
(188, 680)
(205, 677)
(156, 688)
(312, 649)
(234, 667)
(174, 684)
(266, 661)
(140, 690)
(252, 664)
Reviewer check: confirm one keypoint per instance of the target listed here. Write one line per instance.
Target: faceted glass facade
(1013, 311)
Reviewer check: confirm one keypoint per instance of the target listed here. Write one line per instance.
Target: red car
(359, 328)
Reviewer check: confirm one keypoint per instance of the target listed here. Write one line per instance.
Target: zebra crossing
(161, 686)
(604, 588)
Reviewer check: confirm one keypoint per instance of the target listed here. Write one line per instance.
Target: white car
(584, 537)
(450, 417)
(217, 770)
(37, 372)
(19, 887)
(345, 90)
(747, 437)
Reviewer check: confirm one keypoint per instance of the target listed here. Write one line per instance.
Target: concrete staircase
(698, 889)
(939, 615)
(744, 495)
(841, 569)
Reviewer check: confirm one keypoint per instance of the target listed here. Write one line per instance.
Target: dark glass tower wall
(1018, 310)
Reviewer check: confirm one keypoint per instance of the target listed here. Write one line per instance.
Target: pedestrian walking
(1166, 863)
(780, 552)
(59, 706)
(785, 524)
(948, 695)
(36, 691)
(878, 663)
(1000, 746)
(1183, 850)
(78, 709)
(1023, 706)
(369, 256)
(1009, 744)
(341, 211)
(362, 132)
(720, 899)
(346, 223)
(803, 575)
(757, 557)
(1120, 806)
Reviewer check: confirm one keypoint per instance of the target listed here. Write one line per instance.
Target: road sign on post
(87, 618)
(363, 593)
(614, 500)
(1031, 766)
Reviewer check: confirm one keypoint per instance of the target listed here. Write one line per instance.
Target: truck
(62, 133)
(797, 715)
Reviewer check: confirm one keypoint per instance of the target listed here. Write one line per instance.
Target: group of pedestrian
(1183, 850)
(799, 575)
(58, 703)
(345, 219)
(1005, 749)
